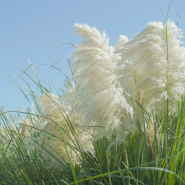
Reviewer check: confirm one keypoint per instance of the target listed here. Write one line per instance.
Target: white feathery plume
(69, 101)
(55, 114)
(142, 70)
(100, 99)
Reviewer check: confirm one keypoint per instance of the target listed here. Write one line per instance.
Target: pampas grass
(109, 123)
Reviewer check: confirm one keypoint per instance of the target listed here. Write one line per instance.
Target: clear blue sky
(29, 29)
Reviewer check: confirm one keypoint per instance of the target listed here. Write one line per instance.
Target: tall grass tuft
(59, 141)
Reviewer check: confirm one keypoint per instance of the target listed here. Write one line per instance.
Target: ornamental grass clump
(145, 64)
(58, 124)
(100, 101)
(107, 125)
(117, 87)
(113, 90)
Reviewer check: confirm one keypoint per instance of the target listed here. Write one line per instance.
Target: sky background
(32, 30)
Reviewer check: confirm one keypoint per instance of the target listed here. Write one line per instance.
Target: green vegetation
(134, 162)
(152, 157)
